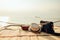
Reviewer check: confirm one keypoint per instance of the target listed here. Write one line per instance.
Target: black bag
(48, 28)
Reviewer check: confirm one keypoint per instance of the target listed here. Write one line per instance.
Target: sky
(24, 11)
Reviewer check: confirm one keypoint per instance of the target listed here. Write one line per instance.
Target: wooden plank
(25, 35)
(42, 38)
(23, 38)
(14, 38)
(34, 38)
(55, 37)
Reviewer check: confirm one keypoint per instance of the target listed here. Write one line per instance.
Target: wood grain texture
(20, 34)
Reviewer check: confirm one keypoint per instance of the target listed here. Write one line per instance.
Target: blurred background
(28, 11)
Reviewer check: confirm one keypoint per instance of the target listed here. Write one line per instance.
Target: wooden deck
(19, 34)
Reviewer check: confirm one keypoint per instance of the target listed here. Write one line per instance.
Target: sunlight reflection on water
(3, 19)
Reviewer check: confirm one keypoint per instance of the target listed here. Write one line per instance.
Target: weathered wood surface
(19, 34)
